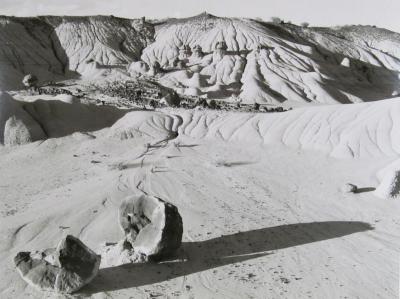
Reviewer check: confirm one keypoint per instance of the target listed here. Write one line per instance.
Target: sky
(382, 13)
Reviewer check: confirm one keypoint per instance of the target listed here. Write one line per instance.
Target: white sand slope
(343, 131)
(260, 198)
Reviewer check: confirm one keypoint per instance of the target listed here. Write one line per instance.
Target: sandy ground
(259, 221)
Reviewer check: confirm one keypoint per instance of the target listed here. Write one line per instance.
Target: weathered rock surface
(389, 186)
(152, 226)
(16, 132)
(65, 270)
(16, 125)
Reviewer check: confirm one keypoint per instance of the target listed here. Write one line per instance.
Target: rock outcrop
(184, 52)
(219, 51)
(197, 52)
(65, 269)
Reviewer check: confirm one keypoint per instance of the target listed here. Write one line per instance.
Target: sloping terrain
(57, 48)
(364, 130)
(218, 58)
(273, 63)
(262, 216)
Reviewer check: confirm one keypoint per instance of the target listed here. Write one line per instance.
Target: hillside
(59, 48)
(222, 58)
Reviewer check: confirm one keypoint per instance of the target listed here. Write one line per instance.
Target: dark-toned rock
(152, 226)
(65, 270)
(172, 99)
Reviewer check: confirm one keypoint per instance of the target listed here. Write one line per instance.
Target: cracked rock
(152, 226)
(65, 269)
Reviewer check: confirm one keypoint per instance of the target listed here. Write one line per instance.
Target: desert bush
(276, 20)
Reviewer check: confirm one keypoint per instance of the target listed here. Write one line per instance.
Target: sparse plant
(276, 20)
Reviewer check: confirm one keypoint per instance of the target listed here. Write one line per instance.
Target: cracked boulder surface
(389, 188)
(151, 225)
(65, 269)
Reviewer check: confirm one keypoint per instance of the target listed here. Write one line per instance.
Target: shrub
(276, 20)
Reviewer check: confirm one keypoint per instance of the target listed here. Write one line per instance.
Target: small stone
(345, 62)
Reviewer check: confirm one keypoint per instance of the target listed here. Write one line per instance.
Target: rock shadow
(365, 189)
(199, 256)
(59, 119)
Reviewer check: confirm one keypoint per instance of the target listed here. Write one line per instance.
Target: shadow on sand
(59, 119)
(200, 256)
(365, 189)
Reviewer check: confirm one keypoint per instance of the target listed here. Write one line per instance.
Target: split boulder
(65, 269)
(152, 227)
